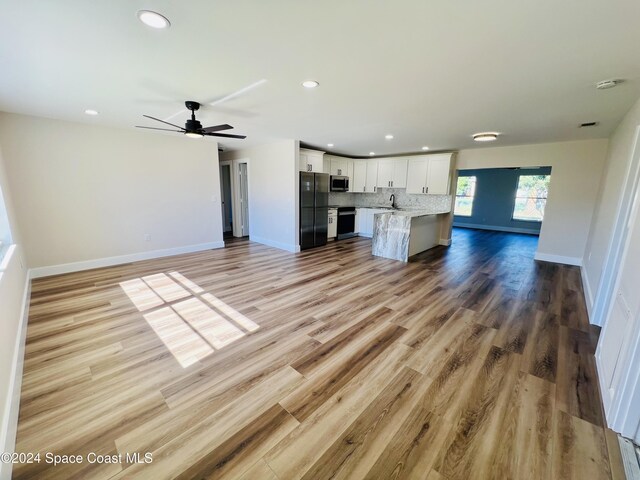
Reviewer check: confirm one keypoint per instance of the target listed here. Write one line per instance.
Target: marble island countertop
(399, 234)
(413, 213)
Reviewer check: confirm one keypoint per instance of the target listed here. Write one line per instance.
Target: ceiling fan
(193, 128)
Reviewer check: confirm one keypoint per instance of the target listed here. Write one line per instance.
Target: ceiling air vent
(589, 124)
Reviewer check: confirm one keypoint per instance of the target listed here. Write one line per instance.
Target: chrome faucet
(393, 200)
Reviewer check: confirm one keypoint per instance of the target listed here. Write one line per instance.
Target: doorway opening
(234, 193)
(226, 195)
(502, 199)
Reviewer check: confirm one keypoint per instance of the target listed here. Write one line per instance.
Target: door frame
(236, 211)
(623, 409)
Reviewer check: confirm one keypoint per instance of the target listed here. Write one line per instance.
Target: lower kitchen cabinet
(332, 226)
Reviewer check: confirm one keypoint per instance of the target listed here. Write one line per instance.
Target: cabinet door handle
(422, 189)
(392, 183)
(427, 189)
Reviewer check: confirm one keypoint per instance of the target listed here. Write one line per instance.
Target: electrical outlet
(147, 237)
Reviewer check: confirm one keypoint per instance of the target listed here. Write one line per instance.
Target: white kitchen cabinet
(438, 177)
(372, 176)
(332, 226)
(340, 166)
(417, 170)
(365, 174)
(392, 173)
(311, 161)
(365, 218)
(358, 182)
(429, 174)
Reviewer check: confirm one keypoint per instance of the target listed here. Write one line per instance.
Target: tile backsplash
(381, 198)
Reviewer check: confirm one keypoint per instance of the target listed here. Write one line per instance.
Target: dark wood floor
(247, 362)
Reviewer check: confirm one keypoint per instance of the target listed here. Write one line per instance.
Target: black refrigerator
(314, 209)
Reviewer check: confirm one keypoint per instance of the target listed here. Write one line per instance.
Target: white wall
(83, 192)
(273, 192)
(575, 177)
(13, 277)
(610, 197)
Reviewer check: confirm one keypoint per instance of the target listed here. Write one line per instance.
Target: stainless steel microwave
(338, 183)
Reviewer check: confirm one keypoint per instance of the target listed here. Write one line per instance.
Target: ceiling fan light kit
(193, 128)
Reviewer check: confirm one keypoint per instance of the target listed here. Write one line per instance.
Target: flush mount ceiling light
(153, 19)
(89, 111)
(372, 153)
(425, 148)
(605, 84)
(310, 84)
(329, 145)
(485, 136)
(389, 137)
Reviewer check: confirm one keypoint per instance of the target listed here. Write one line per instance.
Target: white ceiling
(429, 72)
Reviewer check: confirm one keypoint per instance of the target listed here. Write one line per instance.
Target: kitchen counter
(399, 234)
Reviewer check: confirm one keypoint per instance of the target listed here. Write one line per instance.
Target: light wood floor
(251, 363)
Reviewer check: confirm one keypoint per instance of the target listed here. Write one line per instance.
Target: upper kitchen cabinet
(392, 172)
(365, 174)
(339, 165)
(429, 174)
(311, 161)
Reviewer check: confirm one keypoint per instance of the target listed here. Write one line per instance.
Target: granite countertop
(413, 213)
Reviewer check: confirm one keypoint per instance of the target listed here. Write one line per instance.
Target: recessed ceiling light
(329, 145)
(389, 137)
(485, 136)
(310, 84)
(604, 84)
(153, 19)
(89, 111)
(425, 148)
(372, 153)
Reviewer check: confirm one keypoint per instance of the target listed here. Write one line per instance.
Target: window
(465, 192)
(531, 197)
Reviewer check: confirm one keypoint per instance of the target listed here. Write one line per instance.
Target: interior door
(622, 328)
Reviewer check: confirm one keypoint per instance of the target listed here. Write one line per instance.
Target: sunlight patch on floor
(190, 329)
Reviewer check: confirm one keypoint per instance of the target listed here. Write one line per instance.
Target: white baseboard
(272, 243)
(445, 241)
(497, 228)
(110, 261)
(588, 296)
(10, 424)
(547, 257)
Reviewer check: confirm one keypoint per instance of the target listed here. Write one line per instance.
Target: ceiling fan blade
(165, 129)
(158, 120)
(225, 135)
(217, 128)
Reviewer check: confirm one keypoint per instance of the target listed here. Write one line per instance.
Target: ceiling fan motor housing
(193, 125)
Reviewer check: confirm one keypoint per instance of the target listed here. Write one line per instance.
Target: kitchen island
(399, 234)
